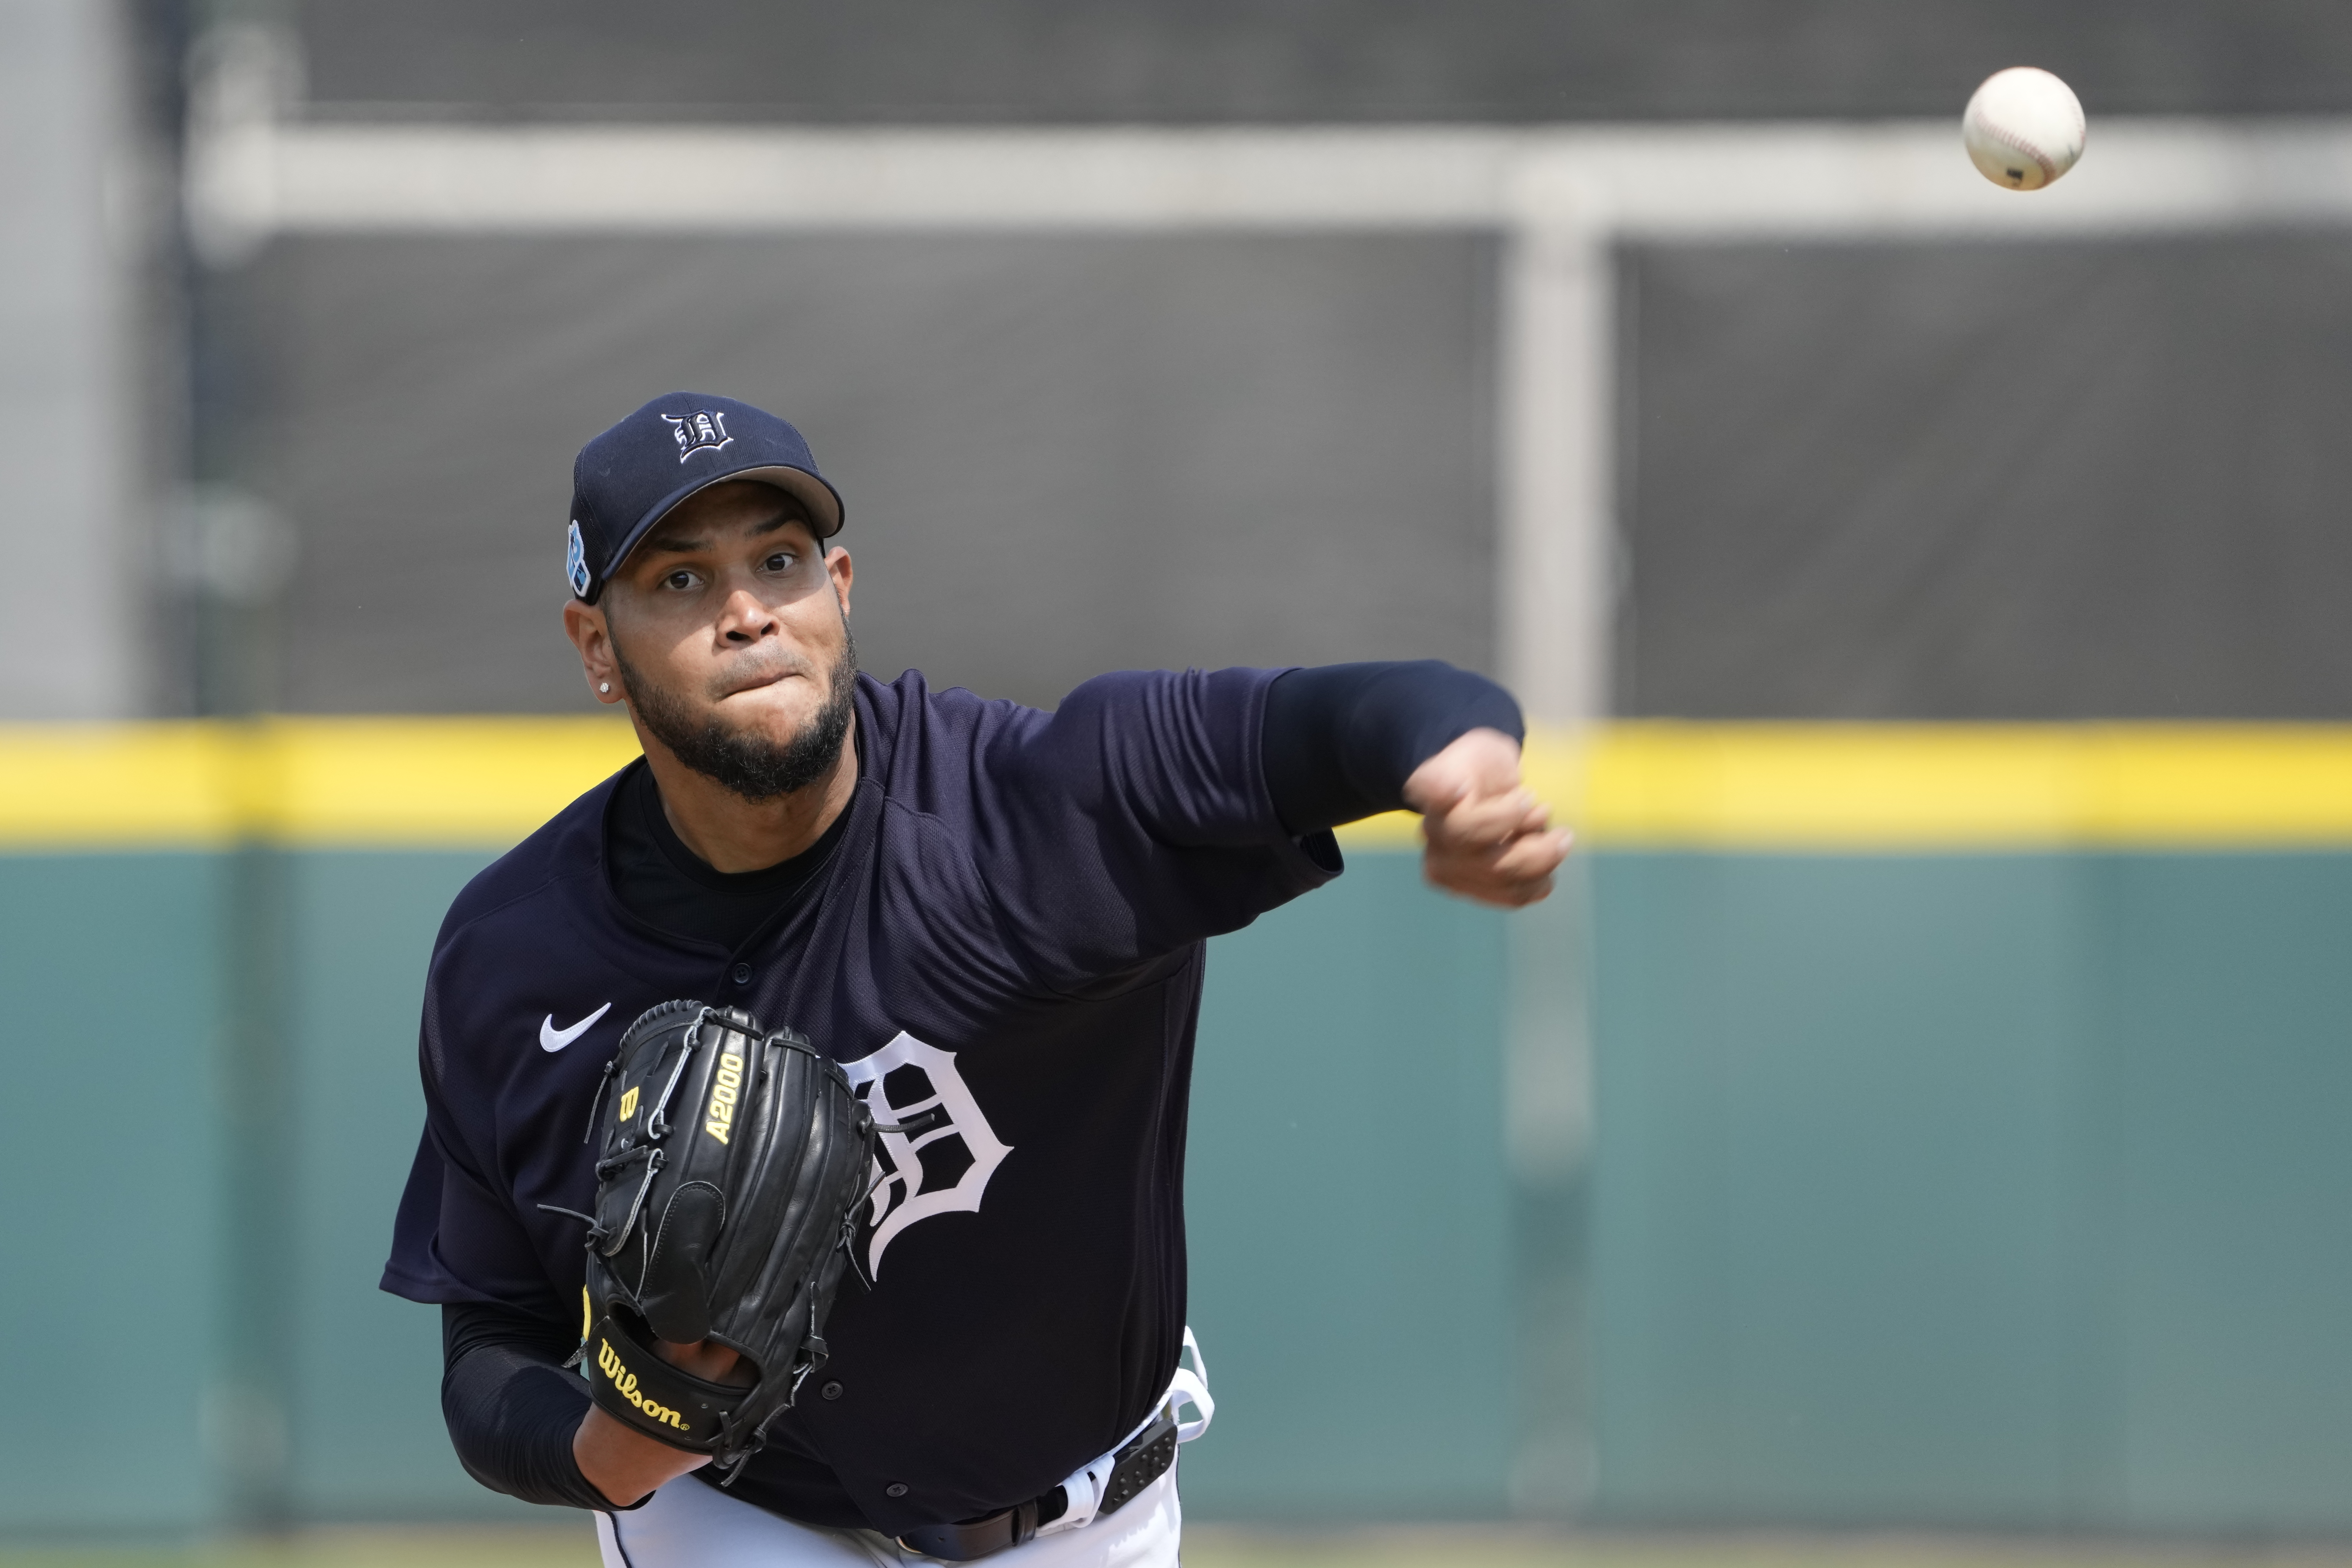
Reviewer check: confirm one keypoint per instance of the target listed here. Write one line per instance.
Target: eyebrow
(680, 544)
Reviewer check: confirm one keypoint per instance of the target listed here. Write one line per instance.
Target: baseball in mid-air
(2023, 128)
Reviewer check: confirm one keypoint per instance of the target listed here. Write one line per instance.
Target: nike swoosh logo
(553, 1038)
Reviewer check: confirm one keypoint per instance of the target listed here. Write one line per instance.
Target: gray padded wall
(1061, 455)
(1988, 482)
(76, 454)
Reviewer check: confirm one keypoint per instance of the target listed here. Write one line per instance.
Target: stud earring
(604, 685)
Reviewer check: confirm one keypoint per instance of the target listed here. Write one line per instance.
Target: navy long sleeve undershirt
(1336, 743)
(512, 1407)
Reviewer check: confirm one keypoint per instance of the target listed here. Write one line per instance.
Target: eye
(782, 560)
(678, 580)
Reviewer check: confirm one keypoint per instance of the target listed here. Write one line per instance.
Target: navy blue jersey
(1005, 951)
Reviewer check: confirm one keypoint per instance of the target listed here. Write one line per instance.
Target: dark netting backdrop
(1292, 61)
(1061, 454)
(1985, 482)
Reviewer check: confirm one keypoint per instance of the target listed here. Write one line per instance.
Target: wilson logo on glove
(625, 1384)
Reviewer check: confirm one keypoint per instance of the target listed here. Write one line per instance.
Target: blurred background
(1923, 1111)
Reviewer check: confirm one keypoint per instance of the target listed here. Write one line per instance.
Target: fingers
(1515, 894)
(710, 1362)
(1530, 856)
(1511, 875)
(1486, 821)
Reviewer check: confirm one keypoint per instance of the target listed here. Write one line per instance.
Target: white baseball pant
(692, 1525)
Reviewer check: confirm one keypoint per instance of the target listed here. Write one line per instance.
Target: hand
(1488, 838)
(624, 1464)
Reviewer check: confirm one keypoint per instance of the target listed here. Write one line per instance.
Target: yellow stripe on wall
(1858, 787)
(417, 782)
(366, 781)
(468, 782)
(161, 784)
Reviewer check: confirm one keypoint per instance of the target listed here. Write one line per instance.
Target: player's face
(732, 611)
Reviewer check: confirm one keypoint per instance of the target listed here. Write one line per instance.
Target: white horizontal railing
(262, 176)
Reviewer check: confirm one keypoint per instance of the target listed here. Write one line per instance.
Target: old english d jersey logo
(944, 1152)
(702, 431)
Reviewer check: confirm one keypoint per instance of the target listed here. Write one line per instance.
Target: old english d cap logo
(626, 478)
(704, 430)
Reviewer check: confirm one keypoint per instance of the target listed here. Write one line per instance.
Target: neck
(732, 834)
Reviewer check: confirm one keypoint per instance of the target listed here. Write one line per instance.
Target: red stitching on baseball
(2010, 138)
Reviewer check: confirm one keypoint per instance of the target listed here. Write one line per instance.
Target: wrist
(624, 1465)
(1476, 762)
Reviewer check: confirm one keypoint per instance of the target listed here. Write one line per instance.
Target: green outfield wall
(2002, 1191)
(1897, 1182)
(111, 985)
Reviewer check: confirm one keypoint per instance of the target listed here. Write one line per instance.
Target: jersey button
(742, 975)
(896, 1489)
(831, 1391)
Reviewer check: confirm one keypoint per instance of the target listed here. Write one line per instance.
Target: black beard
(750, 766)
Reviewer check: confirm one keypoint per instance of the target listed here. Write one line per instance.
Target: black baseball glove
(732, 1159)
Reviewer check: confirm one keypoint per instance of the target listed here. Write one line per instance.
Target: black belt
(1142, 1461)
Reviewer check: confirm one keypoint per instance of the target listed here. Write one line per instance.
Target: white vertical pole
(1556, 368)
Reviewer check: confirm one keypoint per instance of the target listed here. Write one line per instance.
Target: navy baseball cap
(625, 479)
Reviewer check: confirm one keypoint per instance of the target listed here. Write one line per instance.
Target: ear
(592, 636)
(838, 567)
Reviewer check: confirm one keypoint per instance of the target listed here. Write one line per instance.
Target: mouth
(758, 681)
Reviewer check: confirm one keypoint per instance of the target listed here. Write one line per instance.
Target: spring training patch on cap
(702, 431)
(576, 561)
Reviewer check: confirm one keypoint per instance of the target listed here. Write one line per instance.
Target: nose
(745, 618)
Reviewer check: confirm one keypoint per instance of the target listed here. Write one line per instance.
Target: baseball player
(992, 918)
